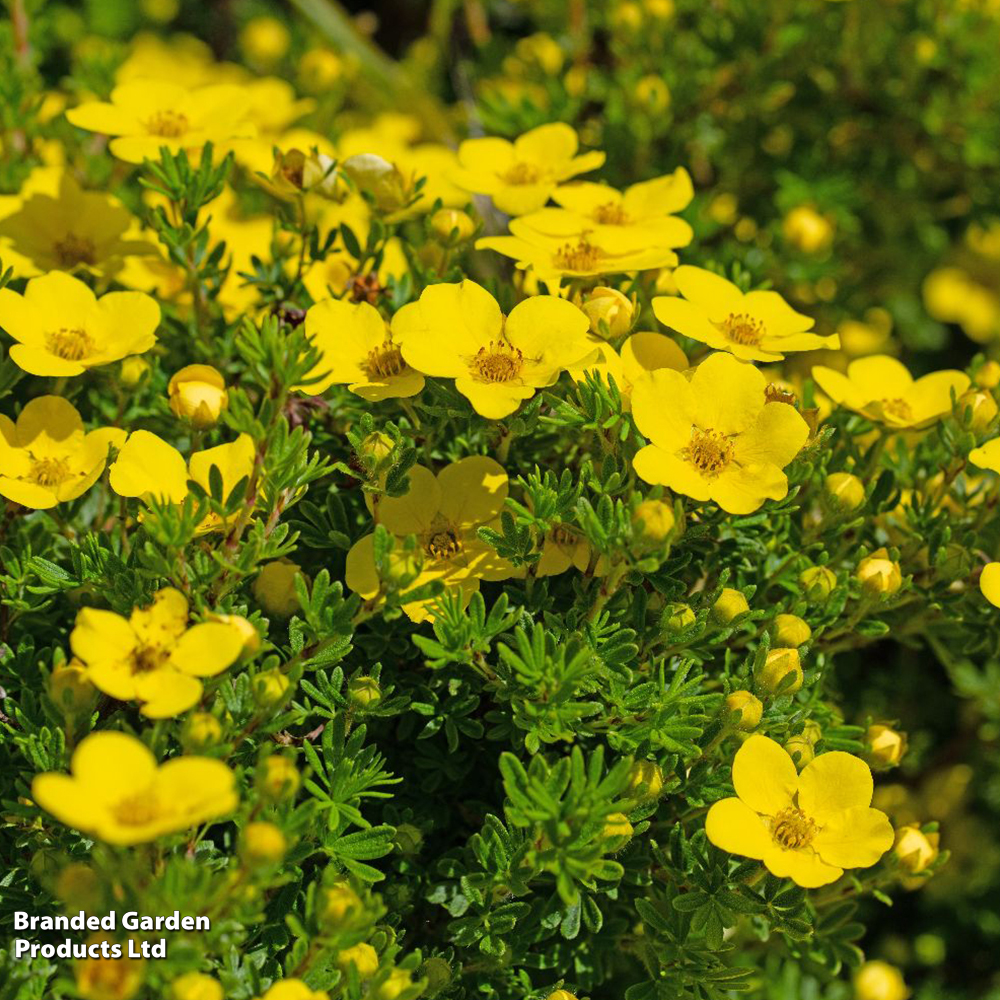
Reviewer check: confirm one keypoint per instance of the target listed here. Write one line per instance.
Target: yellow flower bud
(676, 618)
(652, 94)
(561, 995)
(884, 745)
(408, 838)
(575, 81)
(879, 575)
(109, 978)
(730, 604)
(201, 731)
(800, 749)
(337, 902)
(750, 707)
(79, 887)
(264, 41)
(277, 778)
(782, 669)
(645, 781)
(269, 687)
(988, 375)
(790, 630)
(723, 208)
(274, 588)
(879, 981)
(978, 408)
(653, 523)
(627, 15)
(133, 370)
(616, 825)
(398, 981)
(263, 844)
(818, 583)
(196, 986)
(915, 850)
(452, 227)
(319, 70)
(161, 11)
(376, 447)
(660, 9)
(363, 957)
(843, 492)
(364, 692)
(70, 689)
(812, 731)
(381, 179)
(248, 633)
(198, 394)
(610, 313)
(807, 229)
(296, 172)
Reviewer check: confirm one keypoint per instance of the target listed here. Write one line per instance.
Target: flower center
(709, 451)
(443, 543)
(138, 809)
(743, 329)
(563, 536)
(148, 658)
(70, 344)
(385, 361)
(521, 173)
(50, 471)
(500, 362)
(583, 256)
(72, 250)
(169, 124)
(611, 214)
(898, 408)
(792, 828)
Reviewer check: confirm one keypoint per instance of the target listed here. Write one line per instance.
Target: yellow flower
(108, 978)
(879, 981)
(149, 468)
(641, 216)
(198, 394)
(47, 457)
(714, 437)
(520, 176)
(362, 956)
(881, 388)
(153, 656)
(144, 115)
(356, 347)
(444, 512)
(581, 254)
(755, 326)
(274, 588)
(458, 331)
(71, 228)
(118, 794)
(989, 583)
(62, 328)
(294, 989)
(277, 778)
(808, 827)
(196, 986)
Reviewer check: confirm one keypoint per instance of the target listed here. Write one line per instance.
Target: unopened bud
(677, 618)
(800, 749)
(616, 825)
(781, 672)
(645, 781)
(452, 227)
(277, 778)
(380, 179)
(818, 583)
(610, 313)
(879, 981)
(749, 706)
(843, 492)
(133, 370)
(988, 375)
(729, 605)
(195, 986)
(364, 692)
(274, 588)
(879, 575)
(363, 957)
(269, 687)
(915, 850)
(337, 903)
(790, 630)
(399, 980)
(198, 394)
(201, 730)
(653, 523)
(263, 844)
(976, 409)
(884, 746)
(71, 690)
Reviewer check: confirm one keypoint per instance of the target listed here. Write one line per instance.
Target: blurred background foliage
(849, 152)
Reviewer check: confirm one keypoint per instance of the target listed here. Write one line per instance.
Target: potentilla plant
(416, 565)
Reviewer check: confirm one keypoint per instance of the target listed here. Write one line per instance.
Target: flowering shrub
(491, 547)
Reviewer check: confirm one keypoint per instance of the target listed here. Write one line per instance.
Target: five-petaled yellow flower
(520, 176)
(144, 115)
(118, 794)
(444, 512)
(47, 457)
(716, 437)
(152, 656)
(356, 347)
(458, 331)
(72, 229)
(754, 326)
(808, 827)
(639, 217)
(881, 388)
(62, 328)
(151, 469)
(581, 254)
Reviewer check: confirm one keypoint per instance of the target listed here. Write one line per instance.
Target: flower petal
(804, 867)
(732, 825)
(764, 775)
(207, 649)
(854, 838)
(833, 782)
(473, 490)
(989, 583)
